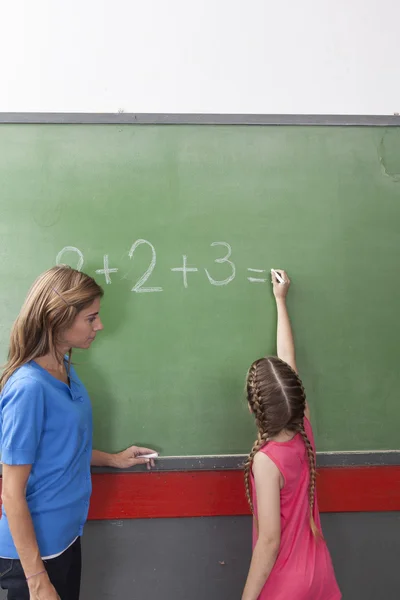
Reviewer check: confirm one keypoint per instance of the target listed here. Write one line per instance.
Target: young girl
(46, 439)
(290, 558)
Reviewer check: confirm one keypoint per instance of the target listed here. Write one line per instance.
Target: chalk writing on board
(185, 270)
(225, 259)
(256, 279)
(106, 269)
(138, 287)
(227, 265)
(71, 249)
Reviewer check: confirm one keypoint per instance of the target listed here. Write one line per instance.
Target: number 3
(223, 260)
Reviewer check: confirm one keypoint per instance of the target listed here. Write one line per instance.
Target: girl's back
(303, 569)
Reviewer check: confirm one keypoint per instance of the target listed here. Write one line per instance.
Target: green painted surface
(169, 368)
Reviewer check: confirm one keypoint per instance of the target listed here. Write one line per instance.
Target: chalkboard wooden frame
(198, 119)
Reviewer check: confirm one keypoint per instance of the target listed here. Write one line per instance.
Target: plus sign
(185, 270)
(106, 271)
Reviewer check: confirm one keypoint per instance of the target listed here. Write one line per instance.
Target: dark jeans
(64, 572)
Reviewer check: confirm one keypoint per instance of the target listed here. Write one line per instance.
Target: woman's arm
(267, 479)
(22, 414)
(14, 483)
(122, 460)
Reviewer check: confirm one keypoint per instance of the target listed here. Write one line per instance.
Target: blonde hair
(277, 399)
(52, 303)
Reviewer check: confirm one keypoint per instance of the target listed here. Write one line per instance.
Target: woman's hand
(129, 458)
(41, 588)
(280, 289)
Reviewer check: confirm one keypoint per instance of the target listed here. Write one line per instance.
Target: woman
(46, 439)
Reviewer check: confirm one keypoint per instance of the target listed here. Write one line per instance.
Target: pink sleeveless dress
(303, 569)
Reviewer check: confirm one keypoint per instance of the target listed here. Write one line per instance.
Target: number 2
(138, 287)
(71, 249)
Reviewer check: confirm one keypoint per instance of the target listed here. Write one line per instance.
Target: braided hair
(277, 399)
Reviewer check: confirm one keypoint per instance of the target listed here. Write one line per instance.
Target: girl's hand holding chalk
(280, 283)
(278, 276)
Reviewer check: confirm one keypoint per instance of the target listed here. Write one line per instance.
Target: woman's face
(84, 329)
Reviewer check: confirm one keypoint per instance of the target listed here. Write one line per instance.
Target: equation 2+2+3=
(139, 286)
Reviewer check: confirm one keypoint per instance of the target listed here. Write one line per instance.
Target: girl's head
(60, 312)
(277, 399)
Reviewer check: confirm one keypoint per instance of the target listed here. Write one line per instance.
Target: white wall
(229, 56)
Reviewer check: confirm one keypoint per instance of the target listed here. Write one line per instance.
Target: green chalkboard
(168, 370)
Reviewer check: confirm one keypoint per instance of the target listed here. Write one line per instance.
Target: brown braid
(312, 463)
(247, 469)
(313, 477)
(277, 399)
(256, 406)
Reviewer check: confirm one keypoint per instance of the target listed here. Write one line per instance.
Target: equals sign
(256, 279)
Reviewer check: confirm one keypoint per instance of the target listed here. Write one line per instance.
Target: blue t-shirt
(48, 424)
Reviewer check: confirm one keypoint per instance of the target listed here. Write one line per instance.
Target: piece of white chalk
(152, 455)
(279, 277)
